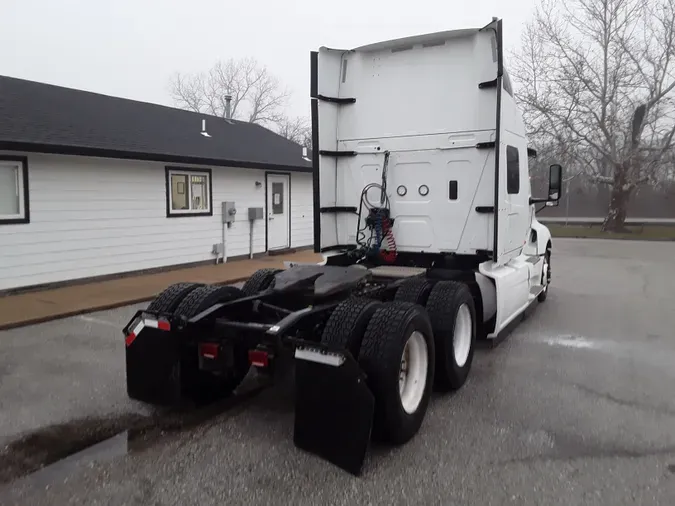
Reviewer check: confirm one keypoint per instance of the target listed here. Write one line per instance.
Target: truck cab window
(507, 83)
(512, 170)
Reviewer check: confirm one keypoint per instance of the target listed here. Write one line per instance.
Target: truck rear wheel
(348, 322)
(168, 300)
(415, 290)
(397, 355)
(260, 281)
(204, 297)
(453, 318)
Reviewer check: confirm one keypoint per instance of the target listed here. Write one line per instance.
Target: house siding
(94, 217)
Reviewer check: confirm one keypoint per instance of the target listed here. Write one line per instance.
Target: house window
(188, 192)
(512, 170)
(277, 198)
(13, 190)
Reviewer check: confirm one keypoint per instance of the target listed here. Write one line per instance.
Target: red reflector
(258, 358)
(208, 350)
(129, 339)
(163, 325)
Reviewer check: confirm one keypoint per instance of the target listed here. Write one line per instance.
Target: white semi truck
(424, 214)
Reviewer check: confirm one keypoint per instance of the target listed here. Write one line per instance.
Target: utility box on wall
(255, 213)
(229, 211)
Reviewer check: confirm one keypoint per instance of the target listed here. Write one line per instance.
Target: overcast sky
(130, 48)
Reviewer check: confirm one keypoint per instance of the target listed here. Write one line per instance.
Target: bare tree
(257, 96)
(596, 77)
(297, 130)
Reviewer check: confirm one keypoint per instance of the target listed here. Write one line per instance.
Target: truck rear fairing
(429, 106)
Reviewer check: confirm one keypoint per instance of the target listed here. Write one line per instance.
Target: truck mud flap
(333, 407)
(152, 361)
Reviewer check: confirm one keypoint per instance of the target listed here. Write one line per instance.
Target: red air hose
(388, 255)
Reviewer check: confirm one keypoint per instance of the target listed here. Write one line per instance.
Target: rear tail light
(208, 350)
(258, 358)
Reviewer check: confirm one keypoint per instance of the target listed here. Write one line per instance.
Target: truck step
(535, 291)
(392, 271)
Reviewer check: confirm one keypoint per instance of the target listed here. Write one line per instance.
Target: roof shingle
(46, 118)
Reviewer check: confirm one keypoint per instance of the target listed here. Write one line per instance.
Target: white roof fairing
(427, 38)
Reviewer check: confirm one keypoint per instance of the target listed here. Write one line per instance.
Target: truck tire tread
(261, 280)
(415, 290)
(348, 322)
(200, 299)
(169, 299)
(380, 358)
(443, 303)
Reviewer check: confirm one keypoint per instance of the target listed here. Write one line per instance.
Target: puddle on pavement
(50, 454)
(55, 442)
(59, 471)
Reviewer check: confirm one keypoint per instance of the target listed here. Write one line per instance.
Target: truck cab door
(516, 199)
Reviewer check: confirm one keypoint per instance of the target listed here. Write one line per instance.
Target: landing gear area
(368, 349)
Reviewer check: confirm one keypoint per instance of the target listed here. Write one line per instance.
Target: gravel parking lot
(575, 407)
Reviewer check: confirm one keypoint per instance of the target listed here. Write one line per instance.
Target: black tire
(443, 305)
(415, 290)
(205, 296)
(168, 300)
(543, 295)
(380, 357)
(260, 281)
(348, 322)
(201, 387)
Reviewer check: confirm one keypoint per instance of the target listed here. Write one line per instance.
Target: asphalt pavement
(575, 407)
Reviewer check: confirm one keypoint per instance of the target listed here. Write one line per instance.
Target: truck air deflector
(314, 74)
(496, 27)
(500, 77)
(314, 87)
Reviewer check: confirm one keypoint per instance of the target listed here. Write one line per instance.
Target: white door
(278, 211)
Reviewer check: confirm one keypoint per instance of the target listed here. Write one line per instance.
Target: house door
(278, 211)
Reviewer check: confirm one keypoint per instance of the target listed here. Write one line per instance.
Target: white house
(92, 185)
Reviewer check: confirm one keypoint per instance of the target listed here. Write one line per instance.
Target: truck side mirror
(555, 182)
